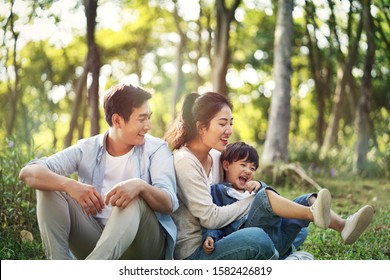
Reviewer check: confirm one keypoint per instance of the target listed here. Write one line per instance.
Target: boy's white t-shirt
(117, 169)
(238, 195)
(216, 173)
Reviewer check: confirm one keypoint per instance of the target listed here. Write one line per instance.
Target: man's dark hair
(122, 99)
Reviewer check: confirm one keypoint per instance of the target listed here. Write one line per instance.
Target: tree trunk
(333, 127)
(13, 91)
(320, 66)
(94, 65)
(199, 44)
(178, 82)
(276, 143)
(209, 46)
(222, 52)
(76, 106)
(82, 120)
(343, 77)
(363, 111)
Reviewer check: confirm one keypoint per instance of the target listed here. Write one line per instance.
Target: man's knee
(44, 196)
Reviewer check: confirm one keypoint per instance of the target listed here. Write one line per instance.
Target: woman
(200, 132)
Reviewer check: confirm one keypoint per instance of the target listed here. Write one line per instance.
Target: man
(126, 190)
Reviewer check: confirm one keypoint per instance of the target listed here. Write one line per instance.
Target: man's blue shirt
(153, 163)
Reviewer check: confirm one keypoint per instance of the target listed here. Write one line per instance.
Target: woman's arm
(195, 194)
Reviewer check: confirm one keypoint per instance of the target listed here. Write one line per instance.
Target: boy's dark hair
(240, 151)
(122, 99)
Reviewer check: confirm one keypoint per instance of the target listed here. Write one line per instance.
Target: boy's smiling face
(238, 173)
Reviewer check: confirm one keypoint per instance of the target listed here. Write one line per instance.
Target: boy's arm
(216, 234)
(253, 186)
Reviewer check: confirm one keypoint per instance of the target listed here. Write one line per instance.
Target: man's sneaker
(300, 255)
(356, 224)
(321, 209)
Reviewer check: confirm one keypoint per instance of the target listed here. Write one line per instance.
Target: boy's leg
(131, 233)
(64, 226)
(281, 231)
(296, 229)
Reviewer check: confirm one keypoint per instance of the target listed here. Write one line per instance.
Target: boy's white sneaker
(321, 209)
(356, 224)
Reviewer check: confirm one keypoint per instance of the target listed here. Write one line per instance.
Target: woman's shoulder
(181, 153)
(184, 155)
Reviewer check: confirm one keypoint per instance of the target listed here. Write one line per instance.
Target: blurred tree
(76, 105)
(178, 84)
(344, 76)
(276, 143)
(363, 110)
(251, 62)
(93, 65)
(221, 60)
(320, 65)
(13, 85)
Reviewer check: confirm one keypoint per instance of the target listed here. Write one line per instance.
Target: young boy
(280, 218)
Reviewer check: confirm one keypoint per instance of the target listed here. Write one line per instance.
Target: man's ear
(225, 165)
(116, 120)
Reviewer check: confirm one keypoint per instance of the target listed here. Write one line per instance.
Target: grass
(13, 248)
(348, 195)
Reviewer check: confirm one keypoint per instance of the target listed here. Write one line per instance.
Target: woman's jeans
(284, 233)
(250, 243)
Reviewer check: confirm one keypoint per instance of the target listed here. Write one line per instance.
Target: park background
(309, 81)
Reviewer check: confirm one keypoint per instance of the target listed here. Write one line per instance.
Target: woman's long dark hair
(196, 108)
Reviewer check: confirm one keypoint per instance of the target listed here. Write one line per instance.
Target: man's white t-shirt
(117, 169)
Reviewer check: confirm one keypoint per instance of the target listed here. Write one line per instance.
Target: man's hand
(124, 192)
(87, 196)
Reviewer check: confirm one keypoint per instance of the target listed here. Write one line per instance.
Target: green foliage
(12, 249)
(18, 210)
(338, 162)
